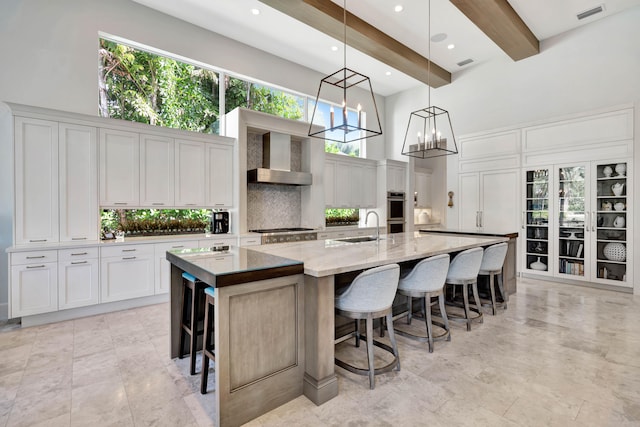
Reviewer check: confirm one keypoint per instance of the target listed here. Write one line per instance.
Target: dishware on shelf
(538, 265)
(618, 206)
(607, 171)
(619, 222)
(615, 251)
(617, 188)
(606, 206)
(572, 235)
(621, 169)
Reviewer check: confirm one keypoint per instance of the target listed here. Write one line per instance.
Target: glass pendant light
(354, 89)
(429, 131)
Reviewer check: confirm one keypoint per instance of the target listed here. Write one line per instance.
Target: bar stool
(191, 313)
(208, 340)
(463, 271)
(492, 262)
(426, 281)
(370, 296)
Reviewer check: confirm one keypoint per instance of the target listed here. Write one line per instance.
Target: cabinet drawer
(79, 253)
(250, 241)
(127, 250)
(218, 241)
(19, 258)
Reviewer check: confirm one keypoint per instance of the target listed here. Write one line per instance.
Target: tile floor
(560, 355)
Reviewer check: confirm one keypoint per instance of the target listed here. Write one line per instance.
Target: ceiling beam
(498, 20)
(327, 17)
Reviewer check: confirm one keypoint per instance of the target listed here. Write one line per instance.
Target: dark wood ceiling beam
(498, 20)
(328, 17)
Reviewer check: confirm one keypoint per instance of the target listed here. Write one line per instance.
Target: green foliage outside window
(341, 216)
(155, 221)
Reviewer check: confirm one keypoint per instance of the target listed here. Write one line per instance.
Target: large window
(139, 85)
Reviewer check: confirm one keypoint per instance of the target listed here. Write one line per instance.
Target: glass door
(537, 219)
(572, 216)
(610, 221)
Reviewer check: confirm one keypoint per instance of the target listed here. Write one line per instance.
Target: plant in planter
(335, 217)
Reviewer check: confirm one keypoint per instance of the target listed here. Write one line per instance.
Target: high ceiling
(282, 35)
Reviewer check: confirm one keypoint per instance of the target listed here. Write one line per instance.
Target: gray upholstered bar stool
(370, 296)
(492, 262)
(463, 271)
(426, 281)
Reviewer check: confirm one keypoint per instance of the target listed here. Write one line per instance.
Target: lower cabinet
(163, 267)
(34, 283)
(126, 272)
(250, 241)
(78, 278)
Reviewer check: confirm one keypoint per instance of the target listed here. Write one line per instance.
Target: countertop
(328, 257)
(232, 267)
(474, 232)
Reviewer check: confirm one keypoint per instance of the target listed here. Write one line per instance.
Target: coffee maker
(220, 222)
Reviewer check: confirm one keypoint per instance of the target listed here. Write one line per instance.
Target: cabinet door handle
(80, 254)
(78, 238)
(128, 250)
(177, 246)
(78, 262)
(129, 257)
(35, 266)
(523, 220)
(38, 240)
(157, 204)
(219, 204)
(481, 219)
(120, 203)
(587, 221)
(35, 257)
(219, 259)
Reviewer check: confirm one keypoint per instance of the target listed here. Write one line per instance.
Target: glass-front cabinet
(536, 220)
(576, 222)
(611, 222)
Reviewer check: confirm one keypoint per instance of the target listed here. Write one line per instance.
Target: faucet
(366, 219)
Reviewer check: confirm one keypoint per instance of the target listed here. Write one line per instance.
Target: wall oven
(395, 212)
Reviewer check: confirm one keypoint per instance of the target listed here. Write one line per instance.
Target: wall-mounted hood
(276, 163)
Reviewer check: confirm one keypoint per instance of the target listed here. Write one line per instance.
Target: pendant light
(354, 89)
(429, 131)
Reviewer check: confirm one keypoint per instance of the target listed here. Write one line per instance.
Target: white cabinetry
(423, 190)
(218, 240)
(126, 271)
(119, 168)
(156, 171)
(78, 179)
(396, 177)
(489, 200)
(350, 182)
(163, 267)
(36, 181)
(78, 277)
(34, 283)
(250, 241)
(190, 173)
(219, 182)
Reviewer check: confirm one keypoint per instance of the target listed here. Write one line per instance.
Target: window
(258, 97)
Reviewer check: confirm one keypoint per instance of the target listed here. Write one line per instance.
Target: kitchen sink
(357, 239)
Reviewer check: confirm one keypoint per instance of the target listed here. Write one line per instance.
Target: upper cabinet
(119, 168)
(156, 171)
(423, 190)
(36, 181)
(219, 180)
(190, 173)
(350, 182)
(396, 176)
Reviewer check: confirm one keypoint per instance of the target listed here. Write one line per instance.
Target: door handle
(594, 221)
(477, 216)
(587, 221)
(481, 219)
(523, 220)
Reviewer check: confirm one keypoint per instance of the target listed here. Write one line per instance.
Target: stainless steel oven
(395, 212)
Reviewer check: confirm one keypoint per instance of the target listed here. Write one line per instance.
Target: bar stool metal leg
(208, 341)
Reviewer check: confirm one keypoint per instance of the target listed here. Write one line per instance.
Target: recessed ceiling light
(438, 37)
(334, 48)
(255, 11)
(451, 46)
(398, 8)
(388, 73)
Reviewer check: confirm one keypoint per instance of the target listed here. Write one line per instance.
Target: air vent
(590, 12)
(465, 62)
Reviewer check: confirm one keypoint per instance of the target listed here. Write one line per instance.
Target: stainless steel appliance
(282, 235)
(276, 163)
(395, 212)
(220, 222)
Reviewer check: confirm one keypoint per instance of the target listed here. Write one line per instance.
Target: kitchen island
(326, 263)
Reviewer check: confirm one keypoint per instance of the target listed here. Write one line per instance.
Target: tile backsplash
(268, 205)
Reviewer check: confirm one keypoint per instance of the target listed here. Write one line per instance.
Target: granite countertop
(328, 257)
(232, 267)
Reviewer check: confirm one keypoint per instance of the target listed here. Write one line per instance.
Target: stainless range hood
(276, 163)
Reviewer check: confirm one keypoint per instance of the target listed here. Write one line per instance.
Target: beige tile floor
(561, 355)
